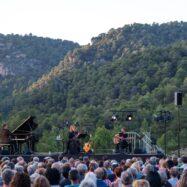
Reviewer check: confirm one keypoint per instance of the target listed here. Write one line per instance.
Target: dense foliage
(24, 59)
(137, 66)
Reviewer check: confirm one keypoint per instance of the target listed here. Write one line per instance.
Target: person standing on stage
(123, 140)
(72, 140)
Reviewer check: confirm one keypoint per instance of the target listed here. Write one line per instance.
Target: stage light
(129, 117)
(114, 118)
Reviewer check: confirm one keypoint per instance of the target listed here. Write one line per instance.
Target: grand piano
(24, 134)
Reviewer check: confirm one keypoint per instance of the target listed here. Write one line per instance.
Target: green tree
(102, 140)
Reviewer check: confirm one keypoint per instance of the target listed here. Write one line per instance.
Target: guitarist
(120, 141)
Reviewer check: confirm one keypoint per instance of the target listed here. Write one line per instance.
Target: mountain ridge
(139, 66)
(118, 43)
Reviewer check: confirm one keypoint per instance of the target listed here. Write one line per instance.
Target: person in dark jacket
(6, 137)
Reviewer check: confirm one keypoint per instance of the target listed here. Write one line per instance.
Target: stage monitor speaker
(178, 98)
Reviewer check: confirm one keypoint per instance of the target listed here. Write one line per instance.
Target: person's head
(183, 180)
(136, 165)
(19, 169)
(91, 176)
(65, 170)
(88, 183)
(82, 169)
(106, 164)
(72, 128)
(123, 130)
(133, 171)
(57, 165)
(93, 166)
(7, 176)
(36, 159)
(53, 175)
(99, 173)
(175, 159)
(20, 180)
(126, 178)
(169, 164)
(154, 179)
(73, 175)
(147, 169)
(141, 183)
(184, 159)
(41, 181)
(153, 160)
(174, 172)
(118, 170)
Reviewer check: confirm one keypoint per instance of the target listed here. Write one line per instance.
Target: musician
(120, 141)
(5, 137)
(73, 142)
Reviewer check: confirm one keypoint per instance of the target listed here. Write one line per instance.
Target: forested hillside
(24, 59)
(138, 66)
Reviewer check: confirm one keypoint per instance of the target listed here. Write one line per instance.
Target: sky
(80, 20)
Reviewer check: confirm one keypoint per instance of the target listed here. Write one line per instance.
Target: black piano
(24, 134)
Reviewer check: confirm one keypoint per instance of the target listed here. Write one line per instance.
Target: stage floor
(101, 156)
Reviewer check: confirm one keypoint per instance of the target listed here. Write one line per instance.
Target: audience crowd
(87, 172)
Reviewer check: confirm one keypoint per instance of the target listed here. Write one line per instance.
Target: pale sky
(80, 20)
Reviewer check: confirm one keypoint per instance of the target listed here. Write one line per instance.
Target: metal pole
(165, 136)
(179, 133)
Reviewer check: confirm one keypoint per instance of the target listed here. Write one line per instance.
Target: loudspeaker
(178, 98)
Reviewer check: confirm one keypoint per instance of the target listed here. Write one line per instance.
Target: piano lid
(27, 126)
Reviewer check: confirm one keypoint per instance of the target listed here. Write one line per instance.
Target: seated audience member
(164, 179)
(82, 169)
(20, 180)
(53, 175)
(7, 176)
(88, 183)
(41, 181)
(117, 171)
(74, 178)
(93, 166)
(183, 180)
(173, 176)
(148, 168)
(184, 163)
(175, 160)
(65, 174)
(107, 166)
(105, 178)
(141, 183)
(99, 174)
(89, 180)
(126, 179)
(91, 175)
(154, 179)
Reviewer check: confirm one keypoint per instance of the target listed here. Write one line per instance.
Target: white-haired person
(89, 180)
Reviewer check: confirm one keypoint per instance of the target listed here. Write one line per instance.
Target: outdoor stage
(101, 156)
